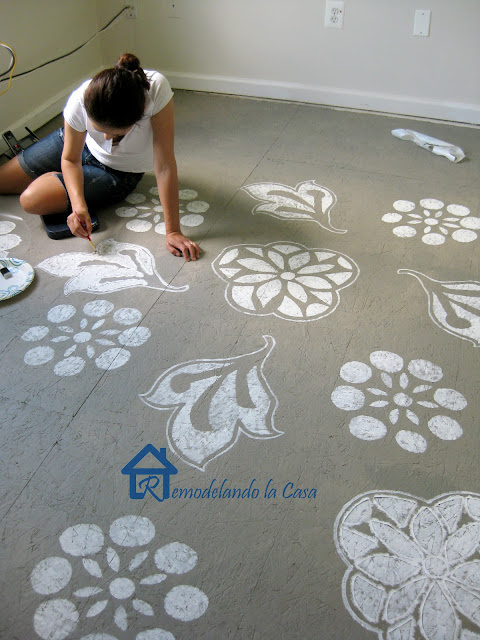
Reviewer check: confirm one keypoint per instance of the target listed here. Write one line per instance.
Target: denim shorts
(102, 185)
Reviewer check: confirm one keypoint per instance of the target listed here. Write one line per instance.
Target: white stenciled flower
(8, 240)
(116, 590)
(386, 395)
(145, 211)
(432, 221)
(413, 565)
(87, 338)
(284, 279)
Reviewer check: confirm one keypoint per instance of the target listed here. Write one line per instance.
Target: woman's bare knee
(44, 195)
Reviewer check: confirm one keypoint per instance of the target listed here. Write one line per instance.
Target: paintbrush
(84, 226)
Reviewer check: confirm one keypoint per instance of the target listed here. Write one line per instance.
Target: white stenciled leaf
(113, 559)
(97, 608)
(387, 569)
(355, 543)
(403, 600)
(367, 597)
(115, 266)
(428, 531)
(154, 579)
(137, 560)
(92, 567)
(142, 607)
(307, 201)
(87, 592)
(212, 401)
(395, 540)
(453, 306)
(120, 618)
(463, 543)
(438, 618)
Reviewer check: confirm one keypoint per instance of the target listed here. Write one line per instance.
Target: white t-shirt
(134, 152)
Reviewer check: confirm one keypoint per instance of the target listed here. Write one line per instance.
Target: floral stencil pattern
(207, 412)
(116, 589)
(145, 211)
(8, 240)
(413, 565)
(431, 221)
(87, 338)
(403, 398)
(308, 201)
(453, 306)
(284, 279)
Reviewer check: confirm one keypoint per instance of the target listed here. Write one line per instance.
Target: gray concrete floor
(325, 342)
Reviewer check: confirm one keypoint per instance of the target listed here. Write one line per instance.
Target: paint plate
(22, 277)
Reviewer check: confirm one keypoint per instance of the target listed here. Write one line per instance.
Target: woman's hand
(80, 223)
(179, 245)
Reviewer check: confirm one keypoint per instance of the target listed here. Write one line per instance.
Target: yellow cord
(12, 69)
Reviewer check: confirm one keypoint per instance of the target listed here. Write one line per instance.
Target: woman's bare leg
(13, 179)
(44, 195)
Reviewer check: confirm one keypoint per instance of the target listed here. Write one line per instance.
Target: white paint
(406, 408)
(144, 218)
(192, 220)
(55, 619)
(51, 575)
(279, 280)
(115, 266)
(185, 603)
(176, 558)
(437, 226)
(82, 540)
(307, 201)
(122, 588)
(136, 198)
(443, 310)
(187, 194)
(414, 571)
(132, 531)
(59, 618)
(206, 417)
(85, 342)
(154, 634)
(139, 226)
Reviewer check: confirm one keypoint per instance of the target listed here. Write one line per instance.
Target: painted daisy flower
(432, 221)
(414, 566)
(8, 240)
(116, 592)
(88, 338)
(146, 212)
(284, 279)
(399, 398)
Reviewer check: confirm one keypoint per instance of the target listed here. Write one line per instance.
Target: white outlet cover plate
(421, 26)
(334, 12)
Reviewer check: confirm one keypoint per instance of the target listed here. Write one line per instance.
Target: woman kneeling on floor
(117, 126)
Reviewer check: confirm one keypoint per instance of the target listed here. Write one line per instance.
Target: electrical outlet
(131, 11)
(173, 8)
(421, 26)
(334, 10)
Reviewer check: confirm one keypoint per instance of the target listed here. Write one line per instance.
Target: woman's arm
(73, 175)
(165, 168)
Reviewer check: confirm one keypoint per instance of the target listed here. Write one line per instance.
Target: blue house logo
(154, 475)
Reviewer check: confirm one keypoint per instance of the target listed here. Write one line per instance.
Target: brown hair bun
(128, 61)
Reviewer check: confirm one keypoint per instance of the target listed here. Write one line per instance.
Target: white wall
(41, 31)
(280, 49)
(264, 48)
